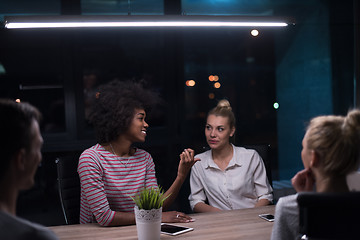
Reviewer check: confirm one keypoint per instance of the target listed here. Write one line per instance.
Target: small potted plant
(148, 212)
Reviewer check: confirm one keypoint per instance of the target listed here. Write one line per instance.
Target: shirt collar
(235, 161)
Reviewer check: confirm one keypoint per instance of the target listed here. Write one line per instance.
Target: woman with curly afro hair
(112, 171)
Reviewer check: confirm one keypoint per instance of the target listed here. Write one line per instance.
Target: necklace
(113, 151)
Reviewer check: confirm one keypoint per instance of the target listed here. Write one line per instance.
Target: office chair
(264, 151)
(329, 215)
(69, 187)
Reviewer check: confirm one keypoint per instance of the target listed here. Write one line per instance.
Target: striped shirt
(108, 181)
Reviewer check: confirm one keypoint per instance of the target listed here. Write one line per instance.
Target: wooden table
(236, 224)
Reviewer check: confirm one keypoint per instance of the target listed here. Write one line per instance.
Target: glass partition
(143, 7)
(275, 79)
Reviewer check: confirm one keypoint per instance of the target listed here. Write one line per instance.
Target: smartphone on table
(267, 217)
(174, 230)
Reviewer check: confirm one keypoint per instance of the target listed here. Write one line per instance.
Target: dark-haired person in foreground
(20, 147)
(330, 152)
(113, 171)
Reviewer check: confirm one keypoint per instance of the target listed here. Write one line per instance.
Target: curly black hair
(114, 107)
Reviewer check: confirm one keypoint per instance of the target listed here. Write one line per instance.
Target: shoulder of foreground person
(13, 228)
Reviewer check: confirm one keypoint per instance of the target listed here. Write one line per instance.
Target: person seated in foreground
(113, 170)
(228, 177)
(20, 147)
(330, 152)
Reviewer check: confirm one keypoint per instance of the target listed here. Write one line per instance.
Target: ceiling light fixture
(86, 21)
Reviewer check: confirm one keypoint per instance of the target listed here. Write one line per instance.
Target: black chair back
(69, 187)
(329, 215)
(264, 151)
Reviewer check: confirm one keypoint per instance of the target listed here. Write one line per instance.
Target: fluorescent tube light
(65, 21)
(142, 24)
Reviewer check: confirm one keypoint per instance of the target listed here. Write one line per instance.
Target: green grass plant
(150, 198)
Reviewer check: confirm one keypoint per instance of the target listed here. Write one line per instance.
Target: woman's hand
(186, 162)
(303, 181)
(174, 217)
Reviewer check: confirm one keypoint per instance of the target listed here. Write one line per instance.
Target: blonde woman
(227, 177)
(330, 152)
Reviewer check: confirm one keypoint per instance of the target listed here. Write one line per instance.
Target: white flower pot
(148, 223)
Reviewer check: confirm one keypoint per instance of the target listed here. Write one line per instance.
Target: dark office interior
(308, 69)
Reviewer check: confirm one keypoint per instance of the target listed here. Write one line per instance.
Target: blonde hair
(337, 141)
(224, 109)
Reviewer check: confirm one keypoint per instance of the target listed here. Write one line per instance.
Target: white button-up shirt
(240, 185)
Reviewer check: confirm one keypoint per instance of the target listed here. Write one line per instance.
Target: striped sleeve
(93, 190)
(150, 179)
